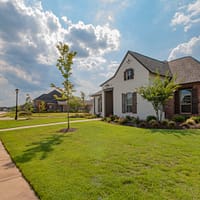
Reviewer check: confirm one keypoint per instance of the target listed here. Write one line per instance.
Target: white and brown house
(118, 95)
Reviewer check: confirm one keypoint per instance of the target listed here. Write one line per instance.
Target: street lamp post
(16, 90)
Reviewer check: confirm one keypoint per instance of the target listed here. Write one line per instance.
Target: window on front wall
(128, 74)
(129, 103)
(185, 101)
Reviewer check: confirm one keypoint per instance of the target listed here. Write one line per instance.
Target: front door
(108, 103)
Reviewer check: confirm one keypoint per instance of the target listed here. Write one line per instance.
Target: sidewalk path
(50, 124)
(12, 184)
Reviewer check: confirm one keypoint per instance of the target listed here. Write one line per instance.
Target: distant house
(52, 105)
(118, 95)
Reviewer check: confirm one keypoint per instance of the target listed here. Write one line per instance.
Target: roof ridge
(181, 58)
(134, 52)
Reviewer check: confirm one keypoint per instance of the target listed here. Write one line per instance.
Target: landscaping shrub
(142, 124)
(179, 118)
(150, 117)
(122, 120)
(172, 124)
(196, 119)
(113, 117)
(108, 119)
(24, 114)
(137, 120)
(154, 123)
(129, 118)
(165, 122)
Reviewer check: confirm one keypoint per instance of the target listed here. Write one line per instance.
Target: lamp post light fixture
(17, 91)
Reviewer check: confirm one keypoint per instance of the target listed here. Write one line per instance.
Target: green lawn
(102, 161)
(41, 118)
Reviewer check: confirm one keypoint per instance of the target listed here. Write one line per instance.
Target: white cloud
(187, 15)
(109, 9)
(192, 47)
(28, 38)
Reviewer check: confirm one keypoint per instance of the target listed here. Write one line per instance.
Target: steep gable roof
(186, 69)
(152, 65)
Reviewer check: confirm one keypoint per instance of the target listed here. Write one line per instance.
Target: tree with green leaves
(28, 106)
(42, 106)
(161, 90)
(64, 64)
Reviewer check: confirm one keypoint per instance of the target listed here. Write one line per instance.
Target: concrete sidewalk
(12, 184)
(49, 124)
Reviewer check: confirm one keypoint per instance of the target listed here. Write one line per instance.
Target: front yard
(103, 161)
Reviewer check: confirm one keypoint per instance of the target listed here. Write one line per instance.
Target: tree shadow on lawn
(43, 148)
(176, 132)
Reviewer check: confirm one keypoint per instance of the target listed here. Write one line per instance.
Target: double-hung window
(128, 74)
(186, 101)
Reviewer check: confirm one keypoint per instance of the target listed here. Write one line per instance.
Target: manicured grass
(41, 118)
(108, 162)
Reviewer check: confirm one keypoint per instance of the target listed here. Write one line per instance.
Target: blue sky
(101, 31)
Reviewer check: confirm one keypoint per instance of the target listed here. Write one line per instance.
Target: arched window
(128, 74)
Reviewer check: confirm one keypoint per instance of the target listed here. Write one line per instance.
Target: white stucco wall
(141, 78)
(94, 109)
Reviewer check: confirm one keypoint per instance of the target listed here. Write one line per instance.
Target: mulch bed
(67, 130)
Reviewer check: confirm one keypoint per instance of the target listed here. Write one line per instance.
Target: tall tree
(64, 64)
(159, 92)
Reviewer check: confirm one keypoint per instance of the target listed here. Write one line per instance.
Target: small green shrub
(165, 122)
(196, 119)
(122, 120)
(142, 124)
(154, 123)
(137, 120)
(103, 119)
(179, 118)
(172, 124)
(108, 119)
(150, 117)
(128, 117)
(24, 114)
(114, 117)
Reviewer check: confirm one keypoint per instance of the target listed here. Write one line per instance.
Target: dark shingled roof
(186, 69)
(153, 65)
(48, 98)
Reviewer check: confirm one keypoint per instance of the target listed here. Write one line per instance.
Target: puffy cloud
(188, 16)
(113, 8)
(192, 47)
(28, 38)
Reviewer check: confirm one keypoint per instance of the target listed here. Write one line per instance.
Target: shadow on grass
(176, 132)
(41, 148)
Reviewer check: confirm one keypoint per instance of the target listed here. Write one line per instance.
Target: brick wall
(169, 107)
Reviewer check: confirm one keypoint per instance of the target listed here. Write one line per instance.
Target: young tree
(64, 64)
(159, 92)
(28, 106)
(42, 106)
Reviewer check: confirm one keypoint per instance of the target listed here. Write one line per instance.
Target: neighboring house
(52, 105)
(118, 95)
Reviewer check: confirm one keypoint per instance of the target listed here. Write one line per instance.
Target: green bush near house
(179, 118)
